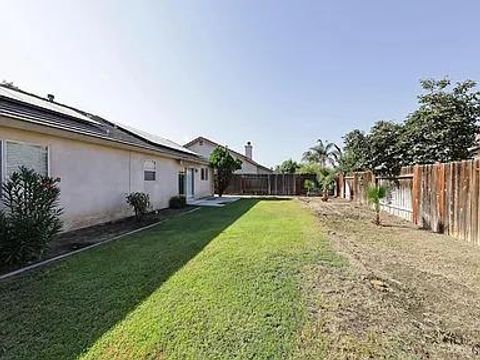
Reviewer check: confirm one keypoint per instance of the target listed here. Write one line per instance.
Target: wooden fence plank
(441, 197)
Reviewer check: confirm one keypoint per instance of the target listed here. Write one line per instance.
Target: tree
(443, 129)
(335, 154)
(385, 155)
(287, 167)
(445, 125)
(346, 163)
(325, 178)
(309, 168)
(357, 148)
(224, 164)
(379, 151)
(321, 153)
(375, 194)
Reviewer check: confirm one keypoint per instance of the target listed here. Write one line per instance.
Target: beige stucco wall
(96, 178)
(207, 148)
(203, 188)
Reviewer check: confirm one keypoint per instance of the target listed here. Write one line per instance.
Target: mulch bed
(77, 239)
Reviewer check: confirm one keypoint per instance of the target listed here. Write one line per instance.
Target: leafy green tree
(378, 151)
(309, 168)
(357, 148)
(375, 194)
(320, 153)
(346, 163)
(445, 125)
(385, 155)
(287, 167)
(224, 165)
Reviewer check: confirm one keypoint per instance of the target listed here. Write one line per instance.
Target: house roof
(241, 156)
(21, 105)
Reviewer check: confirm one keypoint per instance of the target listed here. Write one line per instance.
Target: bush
(310, 186)
(178, 202)
(140, 202)
(30, 218)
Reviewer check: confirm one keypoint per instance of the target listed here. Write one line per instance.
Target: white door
(190, 183)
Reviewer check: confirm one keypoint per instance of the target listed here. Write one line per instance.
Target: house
(204, 146)
(98, 161)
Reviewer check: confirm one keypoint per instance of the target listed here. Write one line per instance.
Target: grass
(215, 284)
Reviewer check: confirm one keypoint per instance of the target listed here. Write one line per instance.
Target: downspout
(129, 172)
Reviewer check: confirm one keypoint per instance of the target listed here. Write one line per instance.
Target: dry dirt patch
(407, 293)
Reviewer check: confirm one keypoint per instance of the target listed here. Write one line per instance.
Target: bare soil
(406, 293)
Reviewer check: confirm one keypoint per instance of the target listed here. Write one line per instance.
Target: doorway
(190, 183)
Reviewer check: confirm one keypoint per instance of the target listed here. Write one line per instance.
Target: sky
(280, 74)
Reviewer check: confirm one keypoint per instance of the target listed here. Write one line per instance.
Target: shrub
(310, 186)
(375, 194)
(31, 216)
(140, 202)
(178, 202)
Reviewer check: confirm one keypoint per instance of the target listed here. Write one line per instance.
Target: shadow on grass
(60, 311)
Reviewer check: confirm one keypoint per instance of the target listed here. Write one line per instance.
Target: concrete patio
(213, 201)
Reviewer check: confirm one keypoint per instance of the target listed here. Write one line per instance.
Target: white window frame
(4, 143)
(204, 173)
(154, 169)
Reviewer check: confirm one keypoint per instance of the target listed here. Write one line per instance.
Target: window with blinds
(149, 170)
(30, 156)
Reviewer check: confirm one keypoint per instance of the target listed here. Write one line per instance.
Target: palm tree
(375, 193)
(336, 154)
(326, 177)
(320, 153)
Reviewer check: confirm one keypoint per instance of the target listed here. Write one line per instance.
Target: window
(33, 157)
(181, 183)
(204, 174)
(149, 170)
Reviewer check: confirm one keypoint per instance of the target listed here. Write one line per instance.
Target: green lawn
(219, 283)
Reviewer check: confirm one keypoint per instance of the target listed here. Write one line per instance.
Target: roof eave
(170, 154)
(253, 162)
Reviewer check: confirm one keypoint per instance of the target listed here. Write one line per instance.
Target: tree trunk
(325, 195)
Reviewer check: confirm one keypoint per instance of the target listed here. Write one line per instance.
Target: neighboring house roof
(239, 155)
(21, 105)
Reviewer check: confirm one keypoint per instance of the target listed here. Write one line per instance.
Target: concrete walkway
(213, 201)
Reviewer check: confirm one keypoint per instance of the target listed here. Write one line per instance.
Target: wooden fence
(268, 184)
(441, 197)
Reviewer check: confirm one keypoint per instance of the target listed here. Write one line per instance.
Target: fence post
(341, 185)
(416, 193)
(441, 198)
